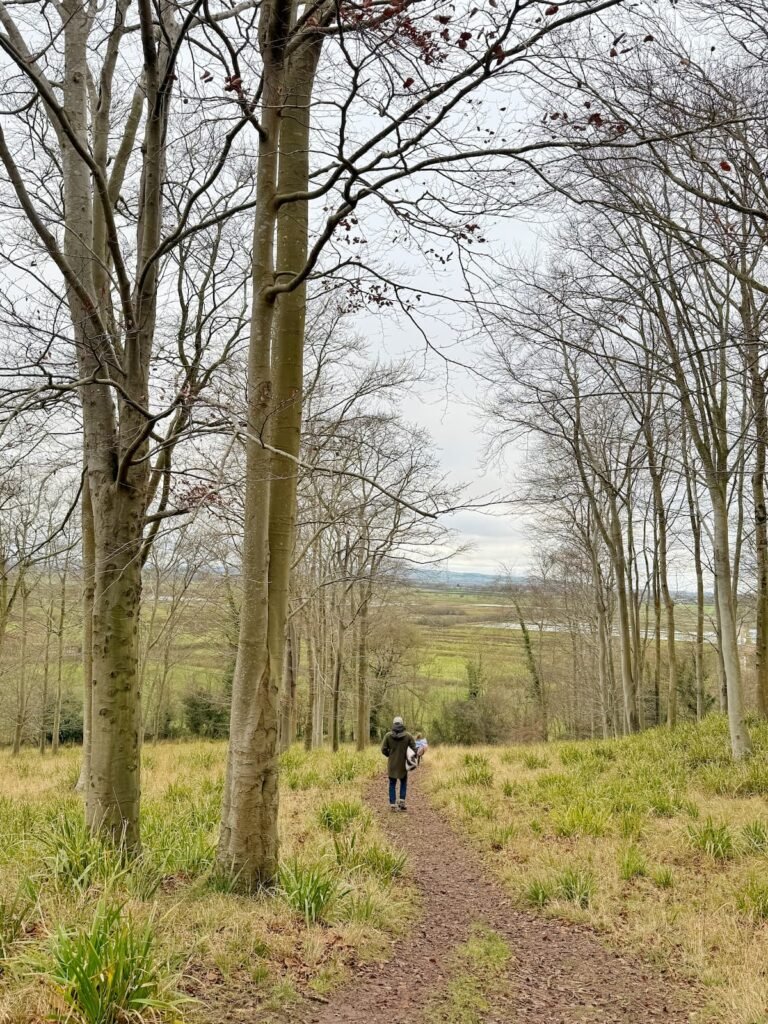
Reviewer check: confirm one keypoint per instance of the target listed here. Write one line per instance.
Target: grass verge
(657, 841)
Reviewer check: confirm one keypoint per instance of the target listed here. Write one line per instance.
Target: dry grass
(667, 836)
(231, 953)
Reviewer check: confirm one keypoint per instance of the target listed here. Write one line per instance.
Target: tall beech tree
(400, 82)
(119, 182)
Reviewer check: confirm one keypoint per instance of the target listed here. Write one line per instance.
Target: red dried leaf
(552, 9)
(724, 165)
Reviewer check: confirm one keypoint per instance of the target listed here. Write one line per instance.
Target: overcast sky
(446, 403)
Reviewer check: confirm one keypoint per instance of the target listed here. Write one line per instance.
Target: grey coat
(394, 748)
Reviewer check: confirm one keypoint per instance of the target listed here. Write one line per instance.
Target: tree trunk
(534, 671)
(59, 660)
(21, 685)
(89, 585)
(631, 720)
(695, 519)
(363, 712)
(42, 739)
(288, 702)
(248, 840)
(338, 666)
(722, 688)
(760, 419)
(114, 784)
(740, 741)
(309, 722)
(656, 636)
(669, 604)
(287, 363)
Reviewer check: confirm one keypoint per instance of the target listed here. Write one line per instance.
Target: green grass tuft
(109, 972)
(632, 864)
(340, 814)
(717, 841)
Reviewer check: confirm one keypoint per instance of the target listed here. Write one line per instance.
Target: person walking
(395, 748)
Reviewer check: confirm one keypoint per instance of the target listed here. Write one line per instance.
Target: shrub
(632, 864)
(206, 714)
(109, 972)
(487, 717)
(309, 889)
(70, 722)
(714, 840)
(338, 814)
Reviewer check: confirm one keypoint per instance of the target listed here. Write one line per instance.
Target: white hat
(397, 720)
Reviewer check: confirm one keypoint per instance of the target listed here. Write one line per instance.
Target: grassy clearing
(658, 841)
(86, 938)
(478, 977)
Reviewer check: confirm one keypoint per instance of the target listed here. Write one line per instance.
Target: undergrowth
(93, 936)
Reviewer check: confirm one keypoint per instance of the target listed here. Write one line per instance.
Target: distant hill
(449, 578)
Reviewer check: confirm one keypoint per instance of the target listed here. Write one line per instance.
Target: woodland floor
(556, 973)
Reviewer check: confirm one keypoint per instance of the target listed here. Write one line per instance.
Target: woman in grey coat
(395, 748)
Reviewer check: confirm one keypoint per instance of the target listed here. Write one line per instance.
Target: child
(413, 757)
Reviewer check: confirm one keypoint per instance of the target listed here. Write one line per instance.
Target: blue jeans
(393, 789)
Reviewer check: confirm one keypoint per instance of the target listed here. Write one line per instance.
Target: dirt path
(560, 974)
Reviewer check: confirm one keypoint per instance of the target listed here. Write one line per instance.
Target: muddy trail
(558, 973)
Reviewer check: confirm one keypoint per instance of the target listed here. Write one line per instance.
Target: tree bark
(248, 839)
(21, 684)
(59, 659)
(694, 515)
(363, 712)
(752, 346)
(89, 585)
(287, 362)
(740, 741)
(42, 738)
